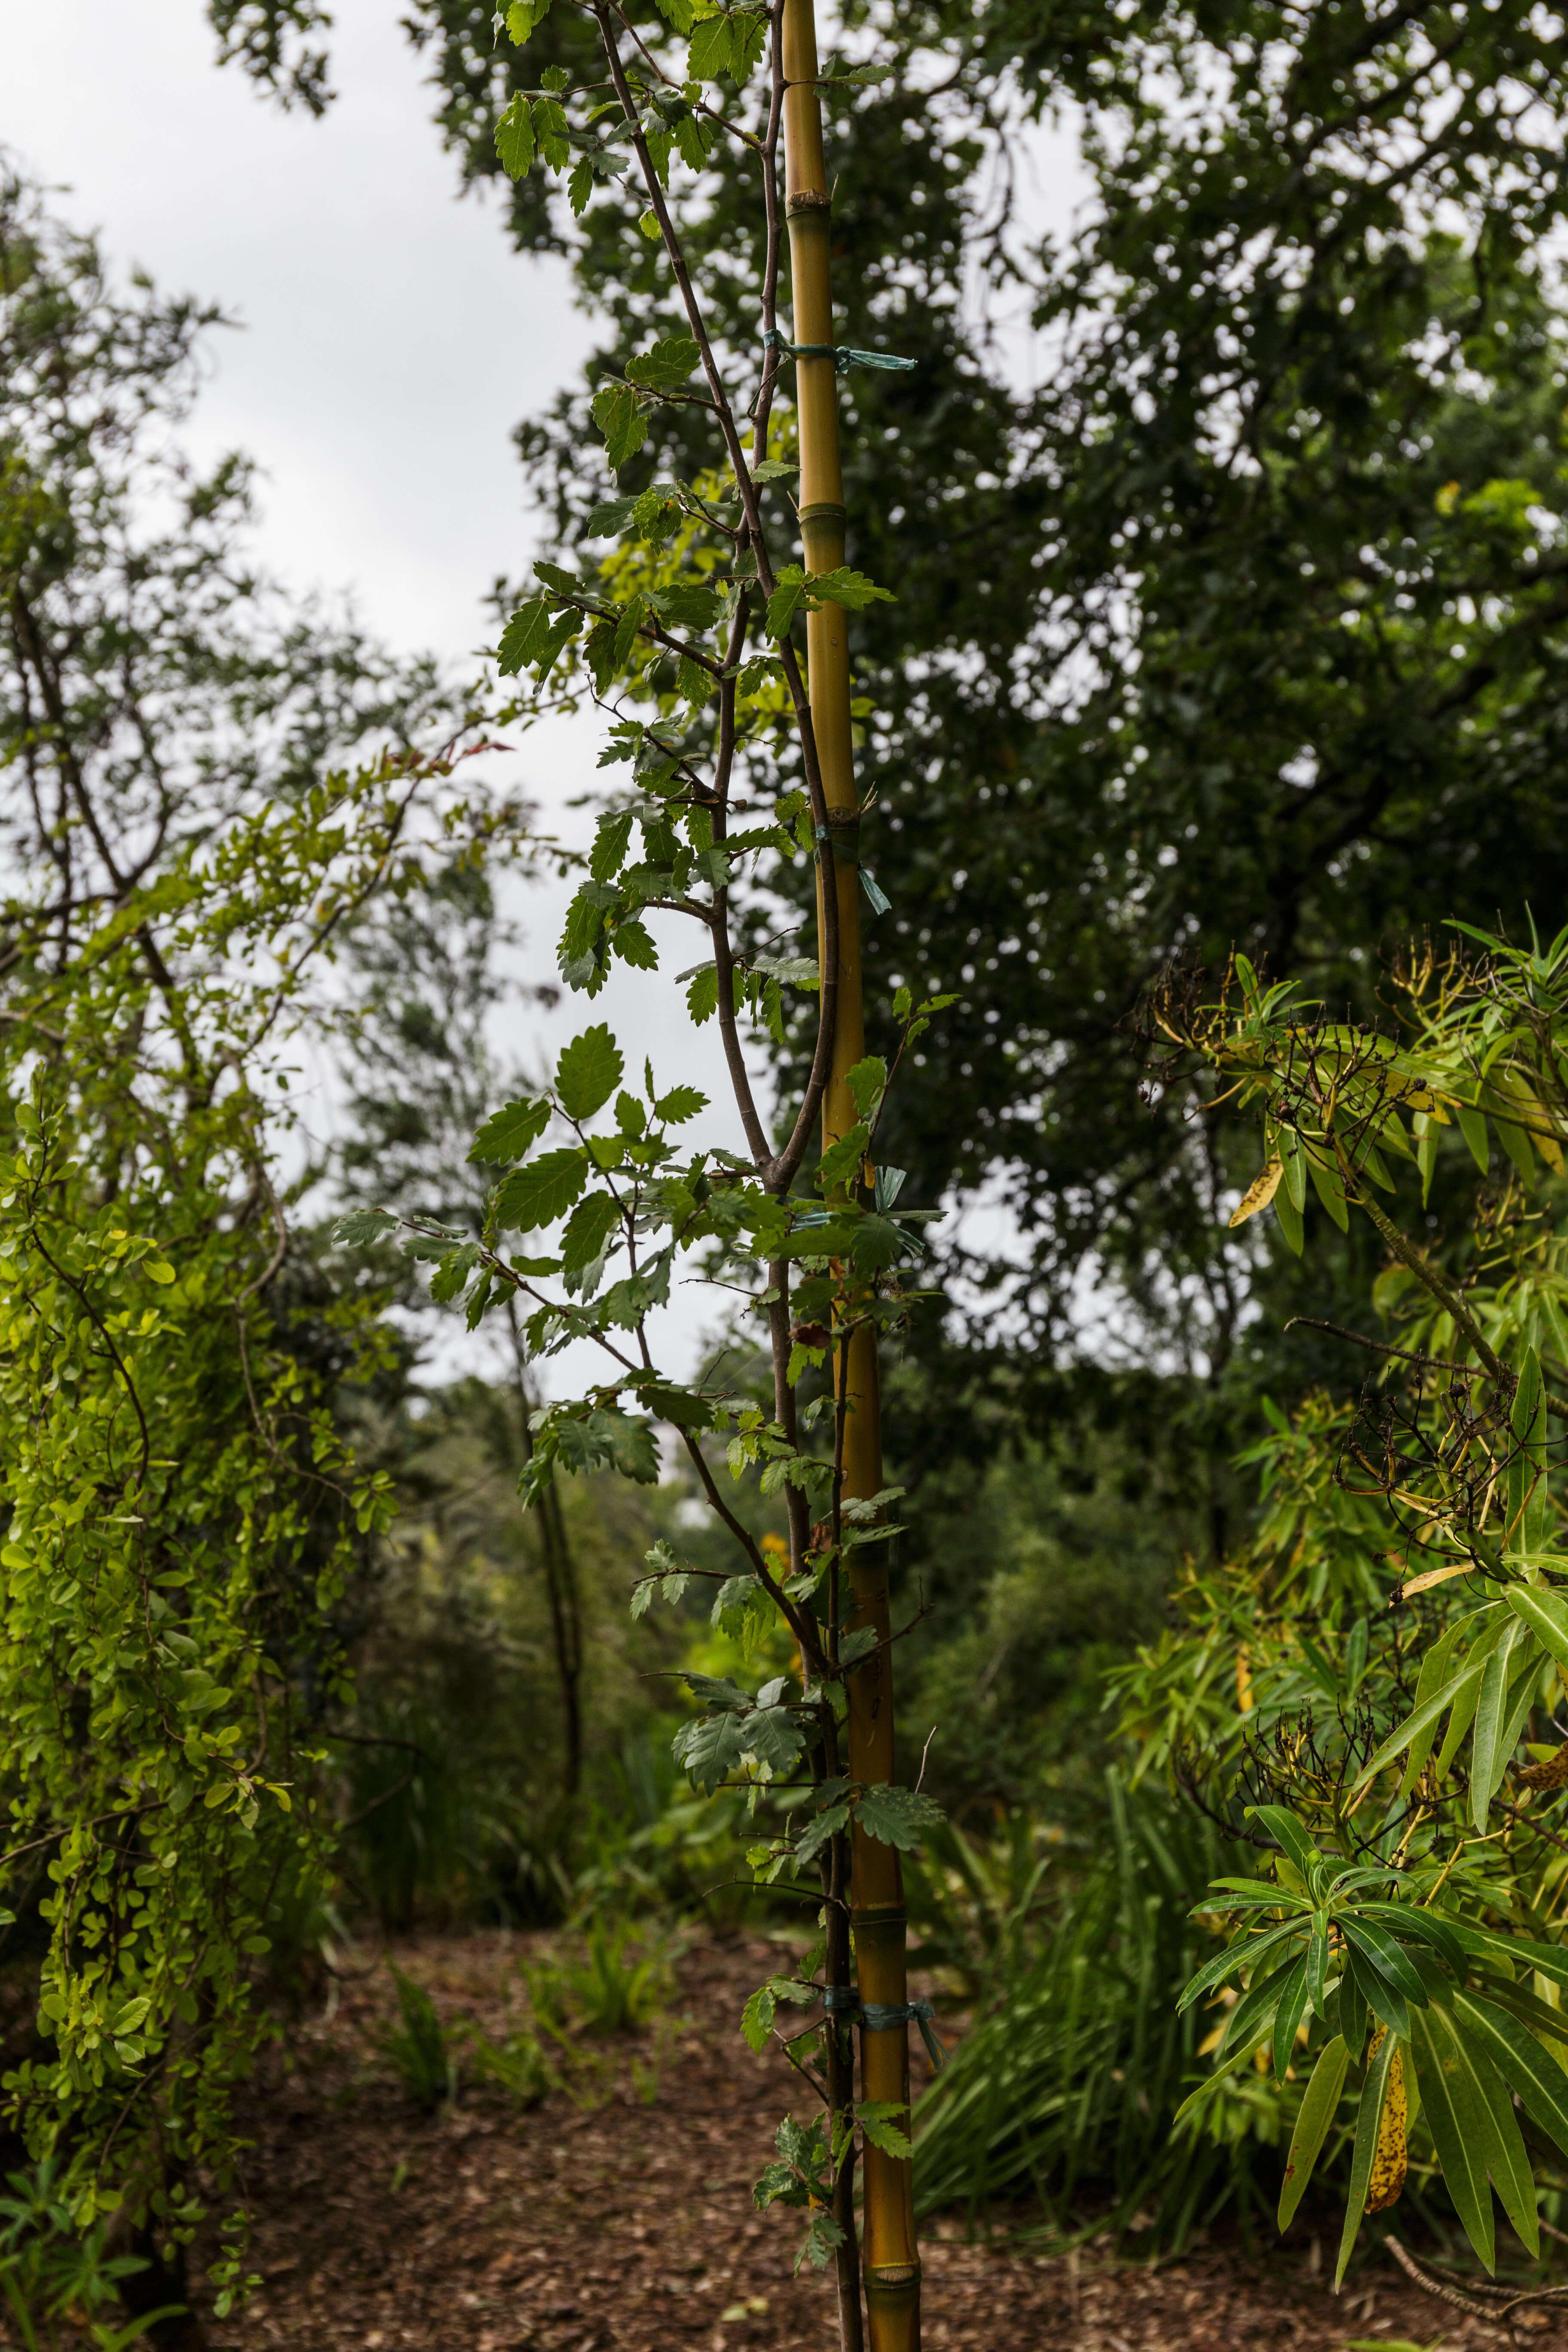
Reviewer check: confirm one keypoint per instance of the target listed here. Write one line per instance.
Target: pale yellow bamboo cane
(890, 2257)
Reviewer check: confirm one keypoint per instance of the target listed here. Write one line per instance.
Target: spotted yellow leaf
(1388, 2160)
(1260, 1192)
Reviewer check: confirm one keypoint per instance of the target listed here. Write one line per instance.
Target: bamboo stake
(890, 2253)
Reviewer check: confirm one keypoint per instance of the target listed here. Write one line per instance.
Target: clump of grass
(619, 1985)
(1066, 2091)
(980, 1906)
(516, 2065)
(418, 2047)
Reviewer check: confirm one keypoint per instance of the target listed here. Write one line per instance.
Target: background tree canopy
(1242, 626)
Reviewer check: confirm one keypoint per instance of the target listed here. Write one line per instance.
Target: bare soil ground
(628, 2224)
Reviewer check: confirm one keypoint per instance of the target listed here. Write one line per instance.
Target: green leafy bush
(1372, 1695)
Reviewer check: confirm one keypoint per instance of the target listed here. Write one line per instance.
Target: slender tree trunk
(889, 2254)
(561, 1590)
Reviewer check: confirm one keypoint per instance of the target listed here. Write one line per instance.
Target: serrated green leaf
(588, 1072)
(841, 1159)
(882, 2123)
(510, 1133)
(551, 132)
(681, 605)
(452, 1275)
(710, 1748)
(789, 592)
(708, 54)
(540, 1192)
(868, 1083)
(667, 367)
(757, 2018)
(814, 1836)
(633, 944)
(525, 636)
(773, 1737)
(822, 2241)
(895, 1816)
(611, 837)
(588, 1228)
(748, 37)
(679, 1105)
(607, 521)
(622, 419)
(362, 1226)
(514, 137)
(852, 590)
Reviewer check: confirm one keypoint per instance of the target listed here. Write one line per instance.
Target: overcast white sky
(390, 342)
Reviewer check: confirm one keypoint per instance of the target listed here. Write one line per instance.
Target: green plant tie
(845, 849)
(886, 2017)
(842, 355)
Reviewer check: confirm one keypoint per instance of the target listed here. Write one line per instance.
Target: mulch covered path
(628, 2224)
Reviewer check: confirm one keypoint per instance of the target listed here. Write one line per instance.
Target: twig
(925, 1751)
(1387, 1348)
(1430, 2285)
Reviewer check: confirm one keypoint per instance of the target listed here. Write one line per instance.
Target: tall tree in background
(420, 1075)
(1266, 638)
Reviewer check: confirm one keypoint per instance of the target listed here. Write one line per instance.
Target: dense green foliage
(1246, 628)
(1066, 2091)
(181, 1519)
(1374, 1696)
